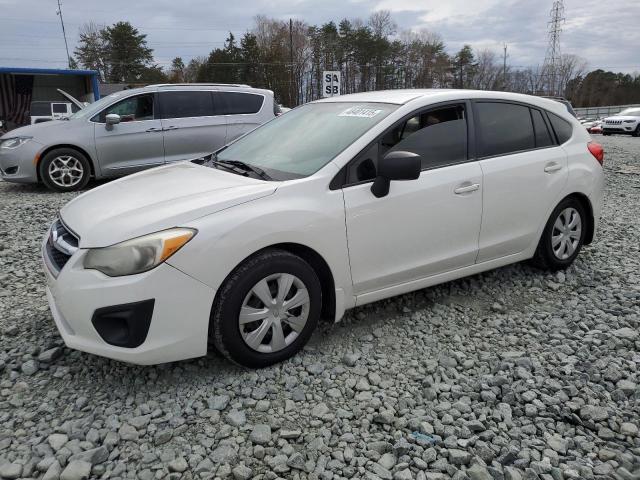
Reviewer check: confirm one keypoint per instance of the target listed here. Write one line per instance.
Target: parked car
(565, 102)
(594, 126)
(132, 130)
(45, 111)
(338, 203)
(626, 122)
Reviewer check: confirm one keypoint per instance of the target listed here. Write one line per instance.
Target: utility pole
(64, 34)
(504, 68)
(292, 87)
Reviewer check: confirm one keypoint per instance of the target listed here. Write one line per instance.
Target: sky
(605, 34)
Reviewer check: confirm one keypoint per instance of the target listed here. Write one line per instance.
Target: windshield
(632, 112)
(93, 108)
(304, 140)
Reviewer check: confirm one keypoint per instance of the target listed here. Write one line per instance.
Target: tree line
(289, 57)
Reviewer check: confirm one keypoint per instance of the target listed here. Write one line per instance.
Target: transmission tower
(552, 60)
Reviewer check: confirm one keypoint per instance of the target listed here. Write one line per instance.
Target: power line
(221, 27)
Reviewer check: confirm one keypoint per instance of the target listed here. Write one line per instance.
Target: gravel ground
(512, 374)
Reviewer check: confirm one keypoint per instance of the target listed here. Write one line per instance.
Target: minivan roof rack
(200, 85)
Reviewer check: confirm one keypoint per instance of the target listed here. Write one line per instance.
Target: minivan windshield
(302, 141)
(93, 108)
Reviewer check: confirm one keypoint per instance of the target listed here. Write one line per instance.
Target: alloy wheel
(274, 313)
(566, 233)
(66, 171)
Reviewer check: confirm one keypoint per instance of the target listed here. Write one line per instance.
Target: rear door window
(186, 104)
(59, 107)
(238, 103)
(503, 128)
(543, 136)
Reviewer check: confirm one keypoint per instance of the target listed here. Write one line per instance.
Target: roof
(404, 96)
(200, 86)
(239, 85)
(398, 97)
(46, 71)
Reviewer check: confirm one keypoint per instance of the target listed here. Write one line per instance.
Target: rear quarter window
(238, 103)
(563, 129)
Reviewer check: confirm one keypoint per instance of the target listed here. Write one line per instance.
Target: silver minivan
(132, 130)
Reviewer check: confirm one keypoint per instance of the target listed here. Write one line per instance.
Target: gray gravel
(513, 374)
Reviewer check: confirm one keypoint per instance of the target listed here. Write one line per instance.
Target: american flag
(15, 98)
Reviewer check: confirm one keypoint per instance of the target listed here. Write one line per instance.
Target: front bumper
(18, 165)
(619, 128)
(179, 323)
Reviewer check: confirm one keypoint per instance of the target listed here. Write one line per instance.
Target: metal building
(30, 95)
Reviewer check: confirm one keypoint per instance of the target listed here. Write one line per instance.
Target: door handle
(153, 129)
(466, 188)
(552, 167)
(172, 127)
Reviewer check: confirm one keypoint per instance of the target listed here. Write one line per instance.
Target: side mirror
(395, 166)
(112, 119)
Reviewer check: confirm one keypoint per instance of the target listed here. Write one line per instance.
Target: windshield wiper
(243, 167)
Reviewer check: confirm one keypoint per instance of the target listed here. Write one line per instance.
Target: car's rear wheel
(65, 170)
(563, 236)
(266, 309)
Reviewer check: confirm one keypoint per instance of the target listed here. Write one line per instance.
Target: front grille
(614, 122)
(61, 245)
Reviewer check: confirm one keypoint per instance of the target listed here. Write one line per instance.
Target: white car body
(625, 122)
(421, 234)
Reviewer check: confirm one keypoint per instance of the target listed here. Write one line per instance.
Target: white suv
(336, 204)
(627, 121)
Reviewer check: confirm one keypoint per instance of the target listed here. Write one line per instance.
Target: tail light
(597, 151)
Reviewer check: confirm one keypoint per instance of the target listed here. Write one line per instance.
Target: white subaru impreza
(336, 204)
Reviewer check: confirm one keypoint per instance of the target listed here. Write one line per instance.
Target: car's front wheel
(64, 170)
(266, 310)
(636, 133)
(563, 236)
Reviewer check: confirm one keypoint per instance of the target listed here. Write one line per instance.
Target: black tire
(224, 328)
(78, 160)
(545, 257)
(637, 132)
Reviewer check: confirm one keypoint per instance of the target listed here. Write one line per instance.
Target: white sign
(330, 83)
(360, 112)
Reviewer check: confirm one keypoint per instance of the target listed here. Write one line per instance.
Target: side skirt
(440, 278)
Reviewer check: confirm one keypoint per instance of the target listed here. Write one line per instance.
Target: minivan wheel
(563, 236)
(266, 309)
(64, 170)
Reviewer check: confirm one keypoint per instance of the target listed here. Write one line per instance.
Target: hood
(51, 126)
(72, 99)
(155, 200)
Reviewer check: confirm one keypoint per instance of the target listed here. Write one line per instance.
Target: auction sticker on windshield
(361, 112)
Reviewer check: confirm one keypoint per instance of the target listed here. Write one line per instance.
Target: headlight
(630, 121)
(14, 142)
(138, 255)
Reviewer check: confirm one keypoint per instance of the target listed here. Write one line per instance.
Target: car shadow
(469, 296)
